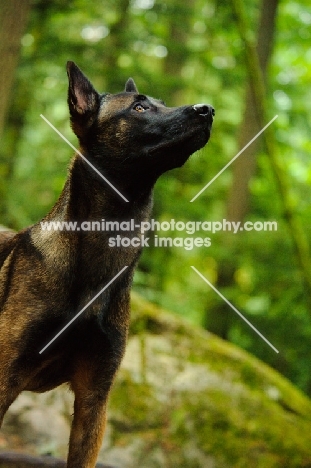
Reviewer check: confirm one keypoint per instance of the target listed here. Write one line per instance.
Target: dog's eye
(139, 108)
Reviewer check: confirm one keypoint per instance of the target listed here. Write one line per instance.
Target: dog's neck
(86, 196)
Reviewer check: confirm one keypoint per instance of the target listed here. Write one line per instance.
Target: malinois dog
(48, 276)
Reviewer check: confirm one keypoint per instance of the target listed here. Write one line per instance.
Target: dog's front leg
(93, 372)
(91, 384)
(87, 430)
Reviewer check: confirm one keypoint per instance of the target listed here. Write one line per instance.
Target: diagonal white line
(233, 159)
(235, 310)
(83, 157)
(82, 310)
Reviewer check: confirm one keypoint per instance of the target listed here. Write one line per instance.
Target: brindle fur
(46, 277)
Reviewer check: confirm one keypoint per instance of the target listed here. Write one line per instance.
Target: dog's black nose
(204, 109)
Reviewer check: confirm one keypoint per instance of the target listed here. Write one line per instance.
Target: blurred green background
(251, 61)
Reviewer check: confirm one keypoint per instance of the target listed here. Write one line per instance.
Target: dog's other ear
(130, 86)
(83, 99)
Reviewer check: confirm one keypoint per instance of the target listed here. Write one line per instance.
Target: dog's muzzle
(205, 110)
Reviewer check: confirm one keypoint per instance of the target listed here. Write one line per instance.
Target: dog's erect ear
(83, 99)
(130, 86)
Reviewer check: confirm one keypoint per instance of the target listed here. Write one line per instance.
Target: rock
(41, 421)
(182, 398)
(18, 460)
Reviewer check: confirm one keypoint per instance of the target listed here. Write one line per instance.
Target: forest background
(251, 60)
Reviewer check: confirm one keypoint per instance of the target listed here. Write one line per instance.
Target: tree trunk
(13, 19)
(117, 45)
(178, 34)
(244, 167)
(217, 320)
(298, 237)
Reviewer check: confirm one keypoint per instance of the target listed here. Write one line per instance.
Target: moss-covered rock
(185, 398)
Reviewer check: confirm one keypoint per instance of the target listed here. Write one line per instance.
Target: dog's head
(133, 134)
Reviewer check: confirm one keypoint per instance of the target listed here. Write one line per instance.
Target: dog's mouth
(190, 142)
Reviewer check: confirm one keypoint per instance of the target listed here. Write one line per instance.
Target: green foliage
(183, 53)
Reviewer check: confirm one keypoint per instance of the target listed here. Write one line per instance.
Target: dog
(48, 276)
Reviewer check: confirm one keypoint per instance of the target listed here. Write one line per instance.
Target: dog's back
(6, 244)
